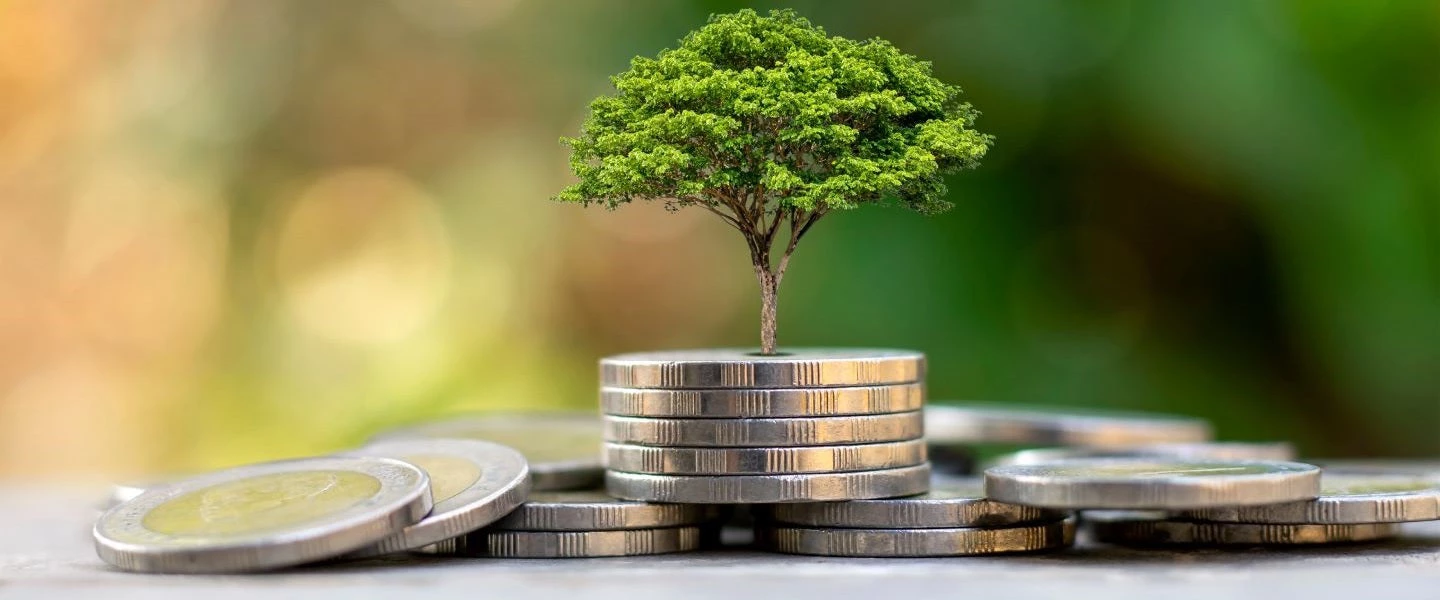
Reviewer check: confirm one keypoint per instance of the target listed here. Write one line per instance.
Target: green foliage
(755, 114)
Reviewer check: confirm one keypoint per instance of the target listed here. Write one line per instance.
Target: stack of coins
(732, 427)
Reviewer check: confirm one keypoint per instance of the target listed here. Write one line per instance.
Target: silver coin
(473, 484)
(769, 489)
(982, 422)
(264, 516)
(1140, 483)
(950, 503)
(879, 543)
(595, 511)
(767, 433)
(1145, 531)
(763, 461)
(1202, 450)
(762, 403)
(563, 449)
(734, 368)
(1420, 468)
(574, 544)
(1345, 498)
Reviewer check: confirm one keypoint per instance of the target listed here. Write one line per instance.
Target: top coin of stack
(729, 426)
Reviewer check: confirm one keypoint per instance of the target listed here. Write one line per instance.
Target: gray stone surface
(45, 553)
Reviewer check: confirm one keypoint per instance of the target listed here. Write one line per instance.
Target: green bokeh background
(245, 230)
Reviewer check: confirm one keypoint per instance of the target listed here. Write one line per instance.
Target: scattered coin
(763, 403)
(264, 516)
(918, 542)
(1145, 531)
(760, 461)
(574, 544)
(739, 368)
(1421, 468)
(473, 484)
(950, 503)
(563, 449)
(1201, 450)
(767, 489)
(981, 422)
(795, 431)
(1345, 498)
(596, 511)
(1166, 484)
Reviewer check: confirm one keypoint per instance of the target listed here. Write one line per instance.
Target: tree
(770, 124)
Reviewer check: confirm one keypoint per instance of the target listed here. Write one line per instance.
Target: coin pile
(732, 427)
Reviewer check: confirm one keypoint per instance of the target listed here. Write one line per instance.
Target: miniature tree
(770, 124)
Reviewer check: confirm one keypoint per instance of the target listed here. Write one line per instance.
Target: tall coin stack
(733, 427)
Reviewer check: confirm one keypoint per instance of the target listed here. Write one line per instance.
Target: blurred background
(235, 231)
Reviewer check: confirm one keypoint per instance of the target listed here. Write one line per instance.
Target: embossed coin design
(596, 511)
(1166, 484)
(950, 503)
(1345, 498)
(768, 489)
(574, 544)
(1143, 531)
(984, 422)
(762, 403)
(746, 369)
(761, 461)
(918, 542)
(795, 431)
(473, 484)
(563, 449)
(264, 516)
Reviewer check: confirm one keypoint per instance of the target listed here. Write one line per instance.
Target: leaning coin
(1200, 450)
(917, 542)
(982, 422)
(1164, 484)
(574, 544)
(768, 489)
(763, 403)
(1345, 498)
(732, 368)
(761, 461)
(264, 516)
(950, 503)
(596, 511)
(563, 449)
(1149, 532)
(473, 483)
(794, 431)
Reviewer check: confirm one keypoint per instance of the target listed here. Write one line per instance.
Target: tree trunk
(769, 288)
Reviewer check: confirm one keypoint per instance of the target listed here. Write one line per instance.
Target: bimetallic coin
(574, 544)
(769, 489)
(731, 368)
(1152, 532)
(795, 431)
(762, 403)
(1204, 450)
(473, 484)
(563, 449)
(264, 516)
(982, 422)
(884, 543)
(950, 503)
(1164, 484)
(760, 461)
(1345, 498)
(595, 511)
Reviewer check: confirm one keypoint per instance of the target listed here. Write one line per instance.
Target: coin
(732, 368)
(761, 403)
(1202, 450)
(982, 422)
(918, 542)
(1166, 484)
(595, 511)
(950, 503)
(1345, 498)
(767, 489)
(264, 516)
(760, 461)
(574, 544)
(1422, 468)
(473, 484)
(794, 431)
(1147, 532)
(563, 449)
